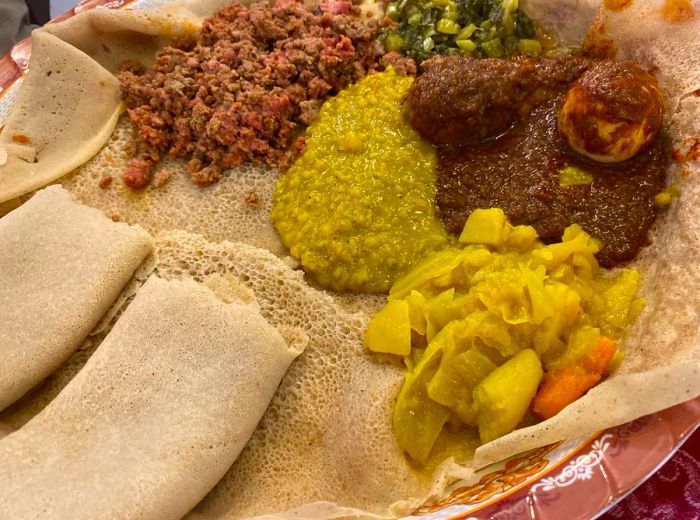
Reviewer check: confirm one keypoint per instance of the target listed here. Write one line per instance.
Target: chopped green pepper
(493, 48)
(446, 26)
(573, 176)
(467, 32)
(393, 42)
(531, 47)
(485, 28)
(467, 46)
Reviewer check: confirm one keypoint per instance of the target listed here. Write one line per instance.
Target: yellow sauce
(478, 325)
(357, 208)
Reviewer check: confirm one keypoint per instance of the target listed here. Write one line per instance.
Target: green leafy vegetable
(478, 28)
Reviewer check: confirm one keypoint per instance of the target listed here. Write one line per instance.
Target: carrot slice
(562, 387)
(600, 355)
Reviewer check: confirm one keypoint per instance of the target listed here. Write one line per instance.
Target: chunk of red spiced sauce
(519, 172)
(462, 100)
(247, 87)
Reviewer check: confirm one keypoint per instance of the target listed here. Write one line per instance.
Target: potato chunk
(418, 437)
(390, 330)
(480, 324)
(503, 397)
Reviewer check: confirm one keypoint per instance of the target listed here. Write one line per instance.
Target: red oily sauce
(617, 5)
(519, 172)
(677, 11)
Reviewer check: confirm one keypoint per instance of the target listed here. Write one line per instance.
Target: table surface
(60, 6)
(672, 493)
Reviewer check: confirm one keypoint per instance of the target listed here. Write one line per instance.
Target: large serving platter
(576, 479)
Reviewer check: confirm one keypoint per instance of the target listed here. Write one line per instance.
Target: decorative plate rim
(656, 468)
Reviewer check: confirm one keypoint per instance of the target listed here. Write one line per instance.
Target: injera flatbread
(77, 104)
(660, 34)
(331, 441)
(111, 36)
(566, 21)
(71, 85)
(312, 442)
(157, 415)
(61, 265)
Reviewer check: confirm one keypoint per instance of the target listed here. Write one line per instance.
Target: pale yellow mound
(236, 208)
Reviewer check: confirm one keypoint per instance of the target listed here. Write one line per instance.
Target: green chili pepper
(393, 42)
(487, 28)
(493, 48)
(466, 33)
(531, 47)
(447, 26)
(467, 46)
